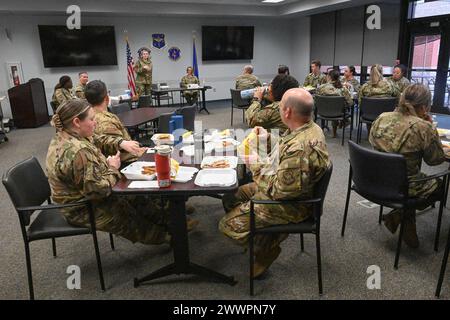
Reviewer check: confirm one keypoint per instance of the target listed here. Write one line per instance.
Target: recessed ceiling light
(272, 1)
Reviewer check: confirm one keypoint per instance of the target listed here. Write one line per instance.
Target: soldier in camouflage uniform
(81, 86)
(108, 123)
(268, 116)
(291, 170)
(377, 86)
(247, 80)
(62, 92)
(409, 131)
(398, 78)
(349, 79)
(315, 78)
(191, 96)
(78, 170)
(334, 87)
(143, 68)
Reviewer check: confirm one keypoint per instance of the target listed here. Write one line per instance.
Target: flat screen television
(88, 46)
(227, 43)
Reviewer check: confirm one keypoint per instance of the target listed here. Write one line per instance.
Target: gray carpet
(292, 276)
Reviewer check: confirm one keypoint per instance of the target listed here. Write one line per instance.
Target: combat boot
(263, 261)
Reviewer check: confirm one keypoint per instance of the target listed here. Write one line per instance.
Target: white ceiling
(205, 8)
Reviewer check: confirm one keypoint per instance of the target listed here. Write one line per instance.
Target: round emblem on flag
(174, 53)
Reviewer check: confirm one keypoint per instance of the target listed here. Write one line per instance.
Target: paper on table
(144, 185)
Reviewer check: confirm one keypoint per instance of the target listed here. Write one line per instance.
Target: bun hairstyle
(335, 78)
(75, 108)
(413, 97)
(62, 82)
(376, 73)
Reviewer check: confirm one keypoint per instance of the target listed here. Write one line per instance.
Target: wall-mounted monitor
(88, 46)
(227, 43)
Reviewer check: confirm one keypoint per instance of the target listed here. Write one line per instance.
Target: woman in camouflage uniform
(77, 170)
(62, 92)
(143, 69)
(334, 87)
(189, 78)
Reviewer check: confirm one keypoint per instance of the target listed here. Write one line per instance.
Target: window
(421, 9)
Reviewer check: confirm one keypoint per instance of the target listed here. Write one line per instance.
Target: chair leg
(438, 227)
(443, 267)
(343, 133)
(344, 221)
(111, 241)
(447, 182)
(232, 115)
(381, 215)
(319, 263)
(29, 273)
(399, 244)
(252, 258)
(99, 262)
(302, 247)
(54, 247)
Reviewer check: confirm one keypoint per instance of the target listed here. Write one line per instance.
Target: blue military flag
(194, 60)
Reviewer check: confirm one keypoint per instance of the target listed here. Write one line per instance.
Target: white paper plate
(218, 145)
(134, 171)
(210, 159)
(216, 178)
(158, 141)
(185, 174)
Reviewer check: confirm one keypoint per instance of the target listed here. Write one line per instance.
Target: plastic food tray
(216, 178)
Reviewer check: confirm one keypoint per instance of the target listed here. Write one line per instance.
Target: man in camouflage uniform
(108, 123)
(268, 116)
(247, 80)
(291, 170)
(143, 68)
(78, 170)
(315, 78)
(81, 86)
(62, 92)
(409, 131)
(191, 96)
(398, 78)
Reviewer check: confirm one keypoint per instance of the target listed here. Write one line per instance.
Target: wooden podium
(29, 104)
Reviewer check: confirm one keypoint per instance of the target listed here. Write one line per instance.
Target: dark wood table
(136, 117)
(177, 194)
(160, 92)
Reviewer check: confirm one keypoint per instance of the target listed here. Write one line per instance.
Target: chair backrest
(27, 185)
(371, 107)
(321, 188)
(329, 106)
(188, 114)
(378, 175)
(236, 99)
(145, 101)
(163, 122)
(121, 107)
(53, 105)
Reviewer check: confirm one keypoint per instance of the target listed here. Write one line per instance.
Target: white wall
(276, 42)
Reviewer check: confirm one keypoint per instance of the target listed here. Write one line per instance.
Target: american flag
(130, 71)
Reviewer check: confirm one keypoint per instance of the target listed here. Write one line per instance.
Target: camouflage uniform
(267, 117)
(400, 84)
(291, 170)
(355, 83)
(79, 91)
(247, 81)
(415, 139)
(328, 89)
(109, 124)
(190, 96)
(143, 77)
(77, 169)
(60, 96)
(384, 88)
(315, 81)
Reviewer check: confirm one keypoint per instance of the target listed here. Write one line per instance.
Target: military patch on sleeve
(287, 177)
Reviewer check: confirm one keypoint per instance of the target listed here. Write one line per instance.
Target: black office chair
(144, 101)
(3, 136)
(121, 107)
(238, 103)
(382, 179)
(443, 267)
(311, 225)
(332, 108)
(163, 122)
(370, 109)
(166, 96)
(188, 114)
(28, 188)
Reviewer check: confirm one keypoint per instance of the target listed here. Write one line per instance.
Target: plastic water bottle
(247, 94)
(435, 122)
